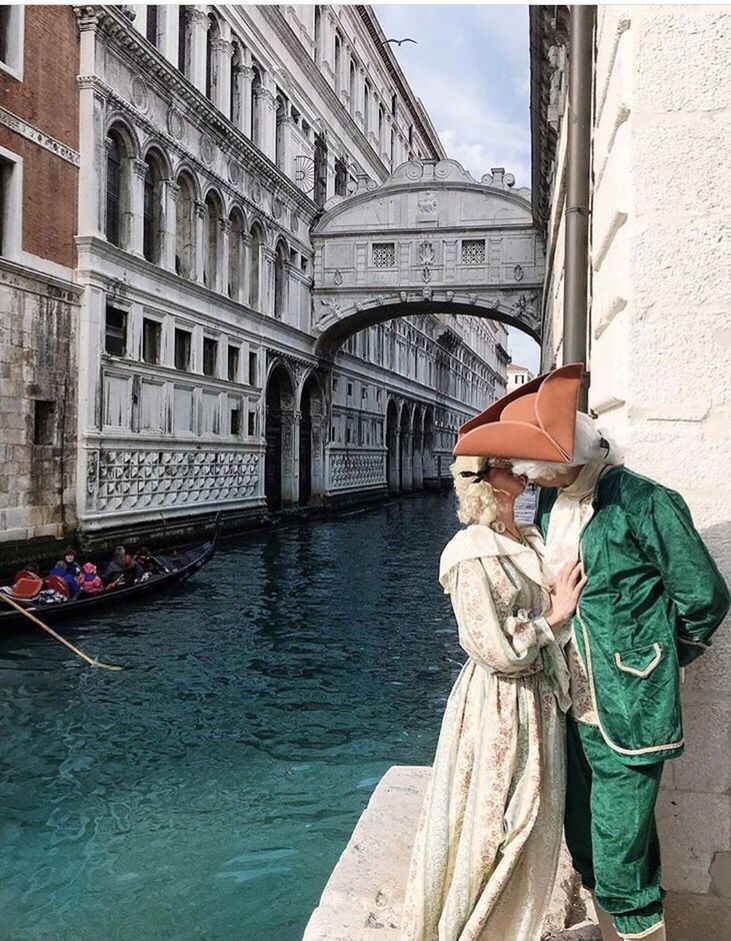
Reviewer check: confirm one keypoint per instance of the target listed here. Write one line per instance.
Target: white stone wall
(660, 360)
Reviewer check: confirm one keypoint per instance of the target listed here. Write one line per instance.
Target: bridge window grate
(384, 254)
(473, 251)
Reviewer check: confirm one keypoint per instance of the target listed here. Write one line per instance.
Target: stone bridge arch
(430, 239)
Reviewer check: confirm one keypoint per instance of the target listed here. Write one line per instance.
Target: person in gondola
(146, 562)
(89, 580)
(115, 572)
(72, 566)
(488, 840)
(61, 571)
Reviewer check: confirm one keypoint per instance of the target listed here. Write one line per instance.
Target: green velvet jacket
(652, 601)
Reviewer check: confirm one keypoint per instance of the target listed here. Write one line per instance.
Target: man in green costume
(652, 601)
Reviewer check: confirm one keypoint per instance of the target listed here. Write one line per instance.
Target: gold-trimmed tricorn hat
(536, 422)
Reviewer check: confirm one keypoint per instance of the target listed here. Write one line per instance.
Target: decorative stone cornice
(144, 58)
(104, 91)
(39, 137)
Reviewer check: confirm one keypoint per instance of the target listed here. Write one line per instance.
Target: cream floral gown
(487, 846)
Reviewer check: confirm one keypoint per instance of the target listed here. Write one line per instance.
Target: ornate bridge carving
(431, 238)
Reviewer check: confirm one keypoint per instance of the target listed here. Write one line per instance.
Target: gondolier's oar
(79, 653)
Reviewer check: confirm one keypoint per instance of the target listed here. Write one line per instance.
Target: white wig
(475, 497)
(589, 444)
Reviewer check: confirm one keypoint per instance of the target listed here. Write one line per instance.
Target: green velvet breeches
(610, 830)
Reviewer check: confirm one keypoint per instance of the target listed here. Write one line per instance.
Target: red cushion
(26, 586)
(56, 583)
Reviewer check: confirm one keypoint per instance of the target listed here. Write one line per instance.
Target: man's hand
(565, 594)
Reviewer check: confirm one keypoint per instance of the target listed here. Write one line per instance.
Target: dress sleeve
(490, 630)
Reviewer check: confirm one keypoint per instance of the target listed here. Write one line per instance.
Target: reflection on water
(207, 791)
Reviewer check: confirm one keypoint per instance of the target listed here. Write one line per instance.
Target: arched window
(212, 36)
(338, 65)
(366, 107)
(381, 129)
(341, 177)
(320, 193)
(353, 87)
(152, 24)
(185, 228)
(279, 139)
(255, 106)
(257, 240)
(212, 244)
(318, 35)
(184, 40)
(152, 210)
(115, 185)
(236, 66)
(280, 281)
(235, 254)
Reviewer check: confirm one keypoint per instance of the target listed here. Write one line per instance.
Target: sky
(470, 68)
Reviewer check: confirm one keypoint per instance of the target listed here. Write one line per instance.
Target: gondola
(176, 567)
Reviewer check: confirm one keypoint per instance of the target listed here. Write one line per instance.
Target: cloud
(470, 69)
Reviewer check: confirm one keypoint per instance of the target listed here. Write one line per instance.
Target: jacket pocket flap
(639, 662)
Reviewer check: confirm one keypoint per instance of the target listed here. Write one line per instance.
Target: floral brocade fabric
(487, 844)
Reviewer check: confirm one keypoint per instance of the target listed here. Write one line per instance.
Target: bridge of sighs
(428, 239)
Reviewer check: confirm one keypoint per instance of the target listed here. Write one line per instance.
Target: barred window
(473, 251)
(384, 254)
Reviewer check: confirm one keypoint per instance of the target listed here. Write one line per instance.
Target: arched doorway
(405, 478)
(417, 469)
(311, 442)
(279, 432)
(392, 448)
(428, 450)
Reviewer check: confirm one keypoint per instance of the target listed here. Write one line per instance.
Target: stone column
(245, 253)
(284, 128)
(92, 115)
(296, 431)
(328, 43)
(268, 114)
(199, 24)
(168, 31)
(406, 459)
(245, 76)
(168, 227)
(359, 96)
(136, 207)
(199, 221)
(222, 260)
(223, 53)
(266, 281)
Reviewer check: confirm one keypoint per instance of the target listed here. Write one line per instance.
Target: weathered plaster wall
(660, 360)
(38, 322)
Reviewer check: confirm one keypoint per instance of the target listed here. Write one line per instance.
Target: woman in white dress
(486, 849)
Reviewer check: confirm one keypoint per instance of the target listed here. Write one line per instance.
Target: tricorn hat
(536, 422)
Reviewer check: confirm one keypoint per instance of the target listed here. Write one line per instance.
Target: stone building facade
(210, 140)
(39, 301)
(659, 302)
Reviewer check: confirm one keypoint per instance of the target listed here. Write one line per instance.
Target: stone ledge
(363, 897)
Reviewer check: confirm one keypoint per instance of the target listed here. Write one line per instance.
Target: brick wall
(47, 98)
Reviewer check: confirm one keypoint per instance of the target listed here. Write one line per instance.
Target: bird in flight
(400, 42)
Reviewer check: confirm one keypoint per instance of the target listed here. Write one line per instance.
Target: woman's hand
(565, 594)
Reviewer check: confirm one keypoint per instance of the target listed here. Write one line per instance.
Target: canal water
(206, 792)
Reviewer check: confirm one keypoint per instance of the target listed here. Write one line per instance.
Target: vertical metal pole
(581, 53)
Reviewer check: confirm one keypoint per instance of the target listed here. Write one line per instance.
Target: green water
(207, 791)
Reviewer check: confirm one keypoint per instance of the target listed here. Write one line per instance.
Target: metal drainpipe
(581, 55)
